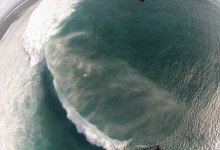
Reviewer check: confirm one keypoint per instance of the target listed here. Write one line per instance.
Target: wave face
(92, 133)
(39, 31)
(152, 71)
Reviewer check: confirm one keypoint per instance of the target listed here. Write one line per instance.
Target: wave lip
(43, 24)
(93, 135)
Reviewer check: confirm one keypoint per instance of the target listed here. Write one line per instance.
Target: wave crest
(92, 133)
(43, 24)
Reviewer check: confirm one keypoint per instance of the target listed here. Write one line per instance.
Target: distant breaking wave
(43, 24)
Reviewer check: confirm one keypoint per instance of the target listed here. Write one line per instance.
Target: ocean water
(153, 76)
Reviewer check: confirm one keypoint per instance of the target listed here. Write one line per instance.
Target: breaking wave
(43, 24)
(92, 133)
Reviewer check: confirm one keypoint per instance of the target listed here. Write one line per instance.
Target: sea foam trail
(43, 24)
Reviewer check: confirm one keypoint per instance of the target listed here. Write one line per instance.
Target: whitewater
(37, 34)
(40, 44)
(153, 76)
(16, 107)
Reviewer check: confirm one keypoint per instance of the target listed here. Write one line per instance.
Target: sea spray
(76, 93)
(39, 31)
(61, 80)
(167, 43)
(92, 133)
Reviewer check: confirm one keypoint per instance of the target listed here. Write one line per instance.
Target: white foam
(43, 24)
(92, 133)
(16, 87)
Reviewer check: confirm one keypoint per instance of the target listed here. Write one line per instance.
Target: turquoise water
(153, 71)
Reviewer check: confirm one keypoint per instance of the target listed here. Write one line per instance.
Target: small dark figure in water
(142, 0)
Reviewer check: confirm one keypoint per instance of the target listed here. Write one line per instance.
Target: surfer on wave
(86, 75)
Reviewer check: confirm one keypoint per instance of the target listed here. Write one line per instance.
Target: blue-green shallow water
(154, 70)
